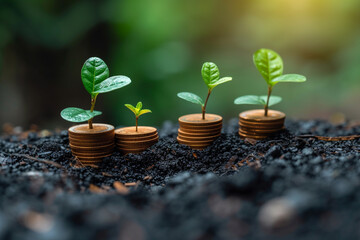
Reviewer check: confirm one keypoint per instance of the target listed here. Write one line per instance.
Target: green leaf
(249, 99)
(132, 108)
(220, 81)
(73, 114)
(289, 78)
(272, 101)
(143, 111)
(112, 83)
(257, 100)
(269, 64)
(139, 105)
(210, 73)
(93, 73)
(191, 98)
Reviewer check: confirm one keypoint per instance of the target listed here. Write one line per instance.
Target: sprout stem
(137, 120)
(267, 101)
(203, 108)
(90, 121)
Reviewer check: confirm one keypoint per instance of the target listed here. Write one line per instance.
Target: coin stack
(90, 146)
(128, 140)
(254, 124)
(199, 133)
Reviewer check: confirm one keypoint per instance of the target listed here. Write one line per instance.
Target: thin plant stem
(204, 107)
(90, 121)
(137, 120)
(267, 101)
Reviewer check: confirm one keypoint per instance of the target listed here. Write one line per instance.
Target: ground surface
(287, 187)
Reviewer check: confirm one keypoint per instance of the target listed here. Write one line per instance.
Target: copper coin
(260, 131)
(196, 119)
(90, 144)
(180, 140)
(138, 139)
(262, 126)
(92, 149)
(198, 134)
(250, 136)
(97, 158)
(196, 146)
(255, 134)
(207, 138)
(93, 138)
(201, 127)
(83, 129)
(130, 132)
(258, 115)
(199, 130)
(137, 145)
(93, 154)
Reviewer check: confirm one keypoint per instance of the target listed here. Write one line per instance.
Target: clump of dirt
(292, 185)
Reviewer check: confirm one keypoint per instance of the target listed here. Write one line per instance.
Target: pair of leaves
(257, 100)
(74, 114)
(138, 111)
(211, 75)
(270, 66)
(95, 77)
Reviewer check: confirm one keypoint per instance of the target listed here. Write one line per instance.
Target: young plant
(270, 66)
(138, 111)
(96, 80)
(211, 76)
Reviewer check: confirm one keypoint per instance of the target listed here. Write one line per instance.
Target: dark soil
(287, 187)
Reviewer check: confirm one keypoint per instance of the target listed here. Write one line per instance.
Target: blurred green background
(161, 45)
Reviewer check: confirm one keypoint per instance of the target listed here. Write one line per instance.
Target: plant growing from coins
(138, 111)
(96, 80)
(270, 66)
(211, 76)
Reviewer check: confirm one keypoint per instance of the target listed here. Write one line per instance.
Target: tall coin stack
(90, 146)
(253, 123)
(198, 133)
(128, 140)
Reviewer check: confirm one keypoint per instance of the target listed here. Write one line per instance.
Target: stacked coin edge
(135, 143)
(91, 148)
(260, 128)
(198, 135)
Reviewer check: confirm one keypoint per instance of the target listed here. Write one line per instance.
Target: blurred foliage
(161, 46)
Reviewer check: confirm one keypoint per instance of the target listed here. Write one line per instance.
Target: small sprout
(211, 76)
(138, 111)
(96, 80)
(270, 66)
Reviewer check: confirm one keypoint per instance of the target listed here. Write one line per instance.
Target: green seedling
(270, 66)
(211, 76)
(138, 111)
(96, 80)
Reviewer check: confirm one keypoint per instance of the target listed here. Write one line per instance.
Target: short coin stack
(253, 123)
(128, 140)
(199, 133)
(90, 146)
